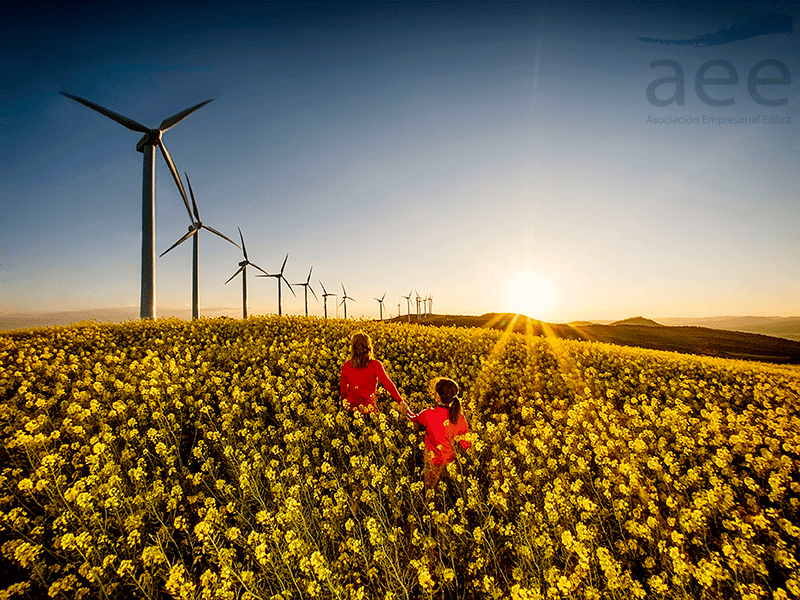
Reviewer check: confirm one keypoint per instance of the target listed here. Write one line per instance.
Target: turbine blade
(289, 284)
(309, 275)
(259, 268)
(124, 121)
(175, 119)
(324, 291)
(244, 250)
(220, 235)
(237, 272)
(313, 292)
(180, 241)
(284, 263)
(191, 193)
(175, 175)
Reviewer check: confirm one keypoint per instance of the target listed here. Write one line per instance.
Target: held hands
(406, 409)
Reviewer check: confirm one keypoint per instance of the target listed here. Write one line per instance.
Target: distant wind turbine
(325, 295)
(194, 228)
(408, 305)
(380, 303)
(243, 271)
(280, 278)
(146, 145)
(418, 300)
(345, 298)
(307, 286)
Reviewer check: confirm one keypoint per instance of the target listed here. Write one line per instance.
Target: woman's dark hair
(448, 393)
(360, 350)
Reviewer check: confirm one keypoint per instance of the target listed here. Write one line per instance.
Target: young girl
(360, 376)
(444, 425)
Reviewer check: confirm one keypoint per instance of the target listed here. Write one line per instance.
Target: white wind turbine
(345, 298)
(280, 277)
(146, 145)
(243, 271)
(408, 305)
(380, 303)
(194, 229)
(325, 295)
(307, 286)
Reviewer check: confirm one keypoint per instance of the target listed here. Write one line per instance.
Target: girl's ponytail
(455, 410)
(448, 393)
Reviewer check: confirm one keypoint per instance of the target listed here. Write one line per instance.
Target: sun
(531, 293)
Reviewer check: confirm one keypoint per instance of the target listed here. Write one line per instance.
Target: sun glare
(531, 294)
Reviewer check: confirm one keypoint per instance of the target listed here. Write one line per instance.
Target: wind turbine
(280, 278)
(194, 228)
(146, 145)
(345, 298)
(243, 271)
(418, 299)
(380, 303)
(307, 287)
(408, 305)
(325, 295)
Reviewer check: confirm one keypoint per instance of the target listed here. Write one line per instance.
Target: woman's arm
(343, 382)
(387, 383)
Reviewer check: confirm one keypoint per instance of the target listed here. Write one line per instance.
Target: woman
(360, 376)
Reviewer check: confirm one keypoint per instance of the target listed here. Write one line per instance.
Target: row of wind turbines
(151, 139)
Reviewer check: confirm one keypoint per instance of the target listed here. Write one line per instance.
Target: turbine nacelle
(151, 138)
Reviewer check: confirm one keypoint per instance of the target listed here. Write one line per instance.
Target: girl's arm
(460, 432)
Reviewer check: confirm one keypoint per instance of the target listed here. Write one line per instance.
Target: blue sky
(497, 156)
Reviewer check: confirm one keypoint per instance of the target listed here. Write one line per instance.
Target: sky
(494, 156)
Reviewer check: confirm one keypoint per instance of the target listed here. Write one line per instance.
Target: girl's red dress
(440, 433)
(358, 386)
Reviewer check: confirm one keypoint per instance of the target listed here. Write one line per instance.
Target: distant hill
(783, 327)
(687, 340)
(11, 321)
(638, 321)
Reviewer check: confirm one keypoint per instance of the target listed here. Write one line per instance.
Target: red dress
(440, 433)
(358, 386)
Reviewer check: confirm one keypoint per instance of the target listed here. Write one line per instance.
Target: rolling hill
(640, 333)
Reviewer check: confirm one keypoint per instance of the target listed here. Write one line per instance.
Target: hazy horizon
(568, 161)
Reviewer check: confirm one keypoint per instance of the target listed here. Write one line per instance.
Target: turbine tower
(418, 300)
(380, 303)
(243, 271)
(307, 286)
(194, 228)
(408, 305)
(146, 145)
(345, 298)
(325, 295)
(280, 278)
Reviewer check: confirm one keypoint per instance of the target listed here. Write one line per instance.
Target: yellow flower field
(212, 460)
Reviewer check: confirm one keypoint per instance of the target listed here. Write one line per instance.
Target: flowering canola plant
(212, 459)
